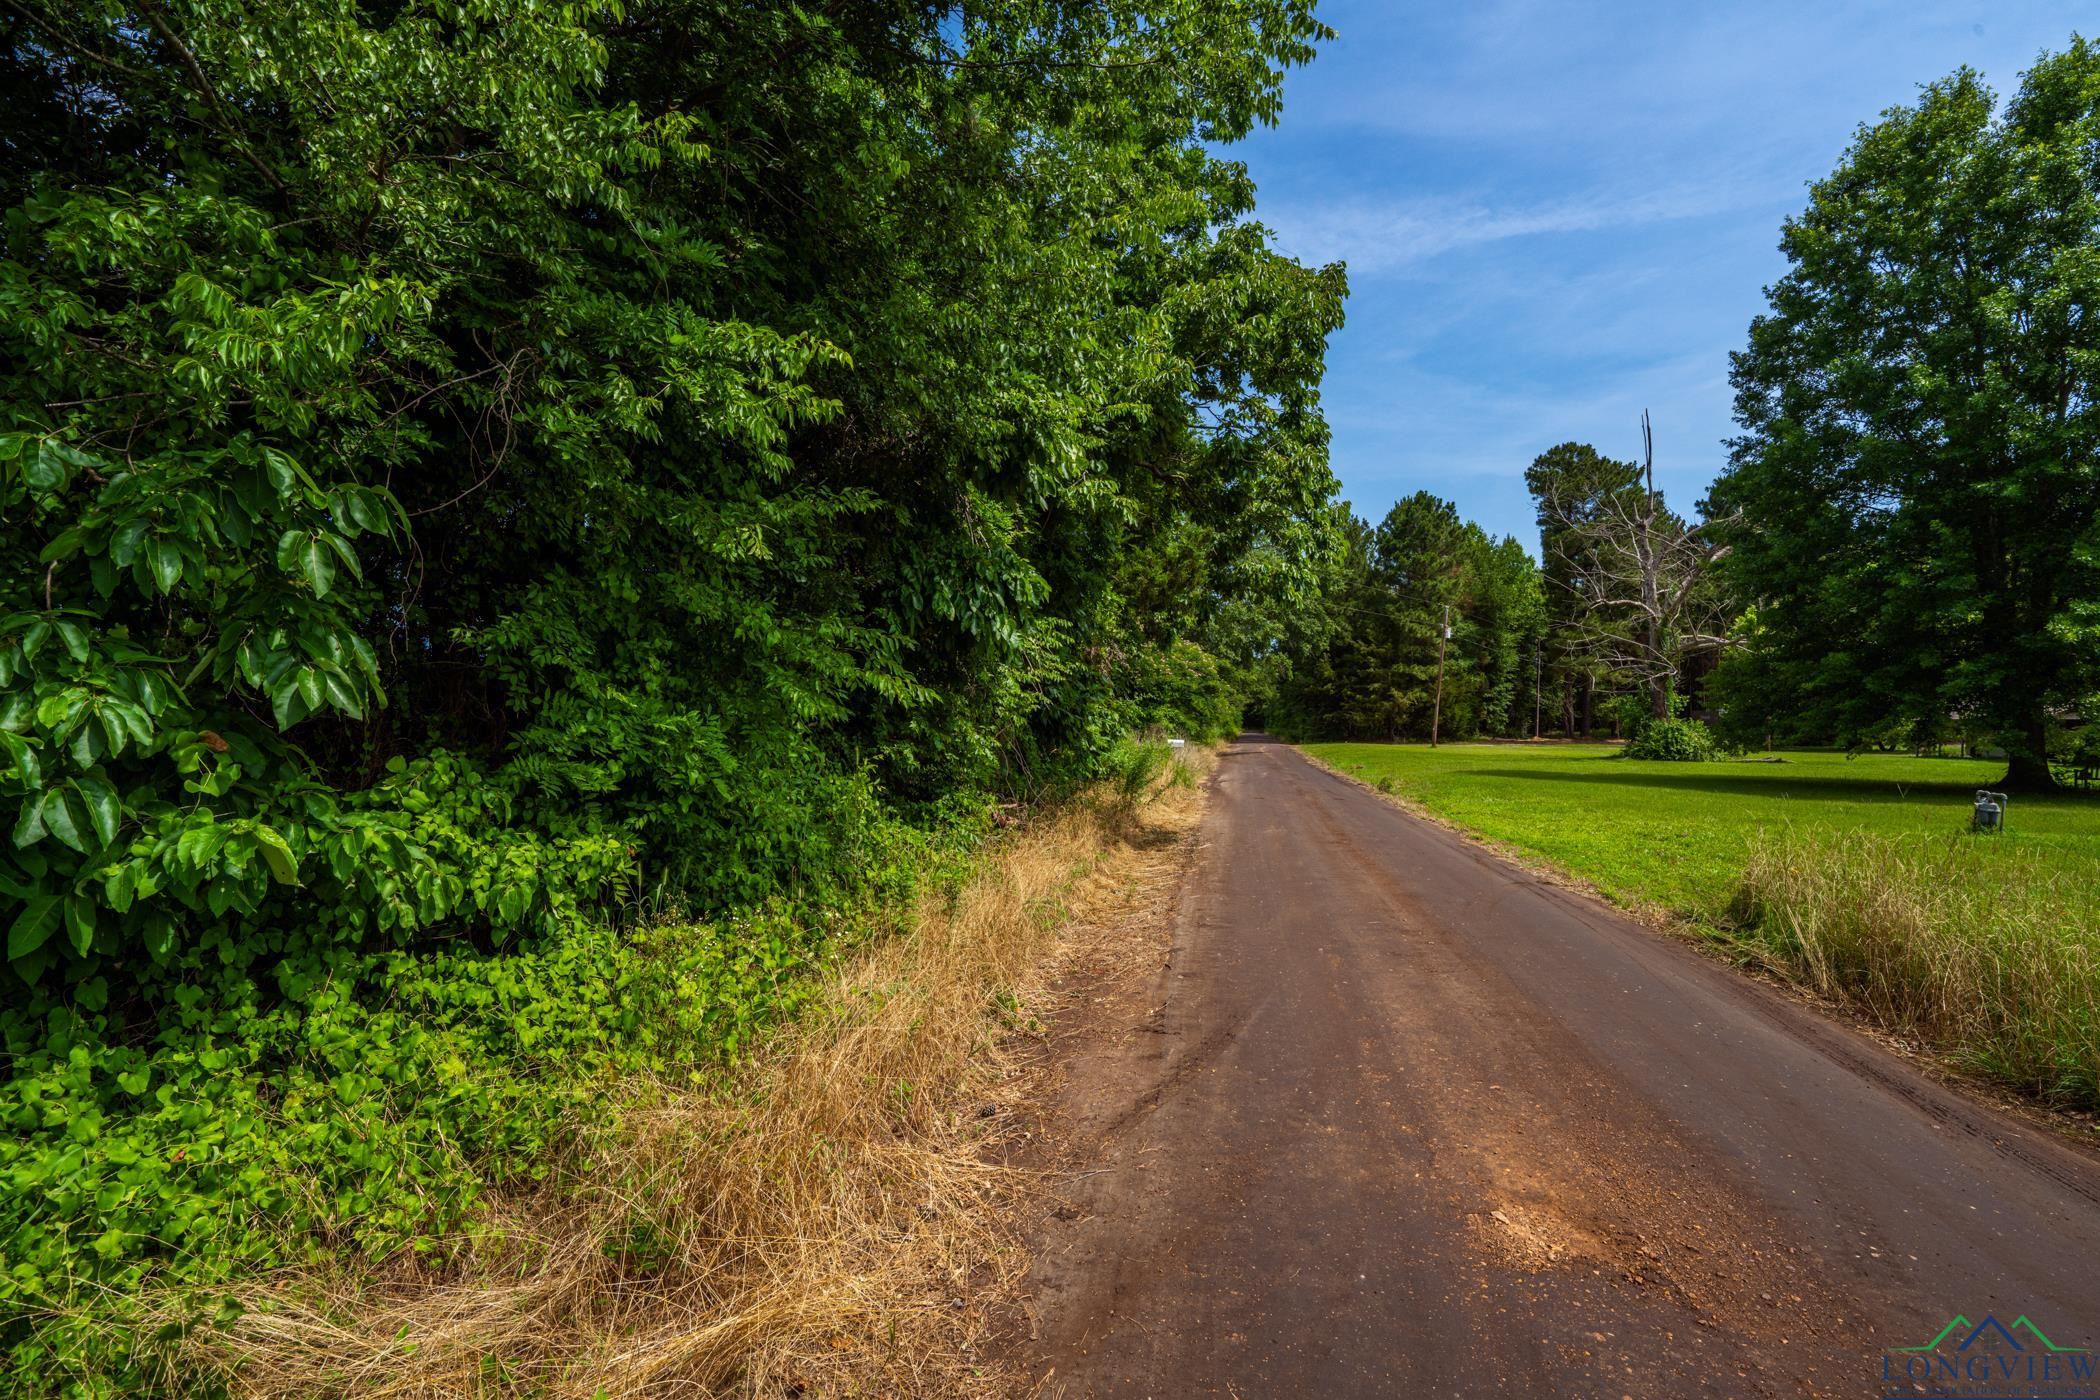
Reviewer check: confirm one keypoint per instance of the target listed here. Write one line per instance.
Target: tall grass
(1136, 773)
(828, 1222)
(1988, 949)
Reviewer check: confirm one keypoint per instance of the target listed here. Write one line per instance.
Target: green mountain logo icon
(2012, 1335)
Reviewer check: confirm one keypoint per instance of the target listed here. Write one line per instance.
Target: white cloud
(1384, 235)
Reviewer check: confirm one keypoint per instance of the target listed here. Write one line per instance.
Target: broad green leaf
(341, 695)
(124, 544)
(346, 553)
(316, 566)
(287, 705)
(29, 822)
(120, 885)
(166, 562)
(64, 546)
(39, 919)
(80, 922)
(277, 855)
(48, 469)
(65, 819)
(284, 473)
(103, 807)
(159, 939)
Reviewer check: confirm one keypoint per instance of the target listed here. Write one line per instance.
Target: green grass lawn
(1676, 835)
(1852, 876)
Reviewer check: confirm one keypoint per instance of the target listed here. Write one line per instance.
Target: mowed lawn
(1677, 835)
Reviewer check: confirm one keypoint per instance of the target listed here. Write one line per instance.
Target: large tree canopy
(1919, 469)
(467, 466)
(681, 415)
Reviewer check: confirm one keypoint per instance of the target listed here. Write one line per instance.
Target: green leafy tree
(1921, 520)
(1572, 486)
(464, 465)
(1505, 612)
(1369, 668)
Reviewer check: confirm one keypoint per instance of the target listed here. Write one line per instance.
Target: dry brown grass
(835, 1223)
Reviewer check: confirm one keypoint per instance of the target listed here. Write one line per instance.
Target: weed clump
(1136, 772)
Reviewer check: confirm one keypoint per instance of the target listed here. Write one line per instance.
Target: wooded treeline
(1429, 625)
(476, 474)
(1378, 663)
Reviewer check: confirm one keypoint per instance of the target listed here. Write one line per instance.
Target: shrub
(1674, 741)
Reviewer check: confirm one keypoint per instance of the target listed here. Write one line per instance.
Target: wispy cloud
(1384, 235)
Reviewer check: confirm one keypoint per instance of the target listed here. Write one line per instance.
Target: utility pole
(1436, 714)
(1538, 677)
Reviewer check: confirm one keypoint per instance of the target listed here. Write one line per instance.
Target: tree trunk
(2027, 761)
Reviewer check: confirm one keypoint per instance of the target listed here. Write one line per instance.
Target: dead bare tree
(1643, 580)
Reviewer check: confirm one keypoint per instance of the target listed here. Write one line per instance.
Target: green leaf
(56, 710)
(103, 808)
(39, 919)
(124, 544)
(166, 563)
(80, 922)
(361, 510)
(287, 704)
(277, 855)
(29, 823)
(284, 473)
(47, 469)
(316, 567)
(63, 820)
(344, 552)
(342, 695)
(120, 885)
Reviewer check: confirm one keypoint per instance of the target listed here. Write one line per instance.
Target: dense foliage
(1921, 514)
(475, 473)
(1390, 592)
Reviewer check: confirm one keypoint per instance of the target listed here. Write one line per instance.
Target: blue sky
(1557, 214)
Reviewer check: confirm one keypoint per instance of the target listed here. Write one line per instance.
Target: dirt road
(1415, 1123)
